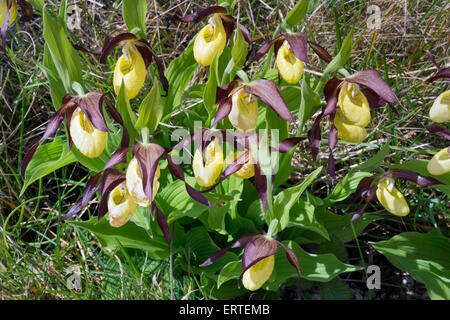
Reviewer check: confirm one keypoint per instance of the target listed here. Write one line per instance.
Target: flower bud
(135, 185)
(207, 172)
(390, 198)
(289, 66)
(244, 111)
(246, 171)
(354, 104)
(346, 131)
(130, 68)
(440, 111)
(258, 274)
(440, 163)
(90, 141)
(210, 41)
(12, 12)
(121, 206)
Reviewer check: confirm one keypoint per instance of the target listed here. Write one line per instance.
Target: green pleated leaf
(346, 187)
(232, 270)
(129, 118)
(309, 104)
(61, 49)
(336, 289)
(48, 158)
(284, 201)
(151, 109)
(302, 215)
(129, 236)
(339, 61)
(297, 14)
(424, 256)
(314, 267)
(134, 12)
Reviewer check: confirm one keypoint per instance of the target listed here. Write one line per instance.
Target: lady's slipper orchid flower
(8, 14)
(207, 167)
(212, 38)
(258, 259)
(135, 186)
(85, 114)
(247, 170)
(244, 111)
(391, 198)
(440, 111)
(131, 70)
(383, 188)
(377, 93)
(289, 66)
(210, 41)
(240, 106)
(440, 163)
(121, 206)
(348, 131)
(89, 140)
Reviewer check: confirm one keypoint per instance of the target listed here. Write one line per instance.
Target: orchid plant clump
(215, 174)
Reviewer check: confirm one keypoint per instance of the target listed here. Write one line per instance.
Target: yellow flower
(135, 186)
(391, 199)
(247, 170)
(260, 272)
(121, 206)
(12, 12)
(130, 68)
(440, 111)
(210, 41)
(354, 104)
(244, 111)
(207, 173)
(90, 141)
(347, 131)
(440, 163)
(289, 66)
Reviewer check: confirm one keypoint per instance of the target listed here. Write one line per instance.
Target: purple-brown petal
(242, 241)
(92, 106)
(112, 42)
(111, 179)
(372, 80)
(439, 131)
(199, 15)
(321, 52)
(267, 92)
(148, 157)
(299, 45)
(255, 250)
(414, 177)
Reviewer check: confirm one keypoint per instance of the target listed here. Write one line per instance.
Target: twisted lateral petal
(354, 104)
(347, 131)
(258, 274)
(121, 206)
(90, 141)
(244, 111)
(210, 41)
(390, 198)
(130, 69)
(207, 172)
(289, 66)
(135, 185)
(248, 169)
(440, 163)
(12, 12)
(440, 111)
